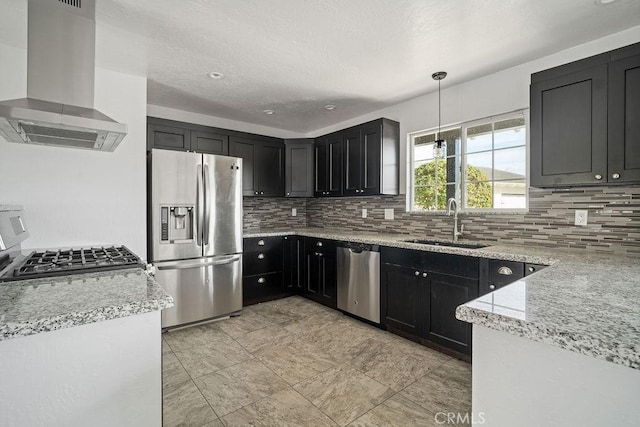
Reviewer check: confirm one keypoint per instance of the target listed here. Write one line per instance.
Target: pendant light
(440, 145)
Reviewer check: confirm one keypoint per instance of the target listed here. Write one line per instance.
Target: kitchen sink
(444, 243)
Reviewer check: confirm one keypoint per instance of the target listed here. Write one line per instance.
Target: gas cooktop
(61, 262)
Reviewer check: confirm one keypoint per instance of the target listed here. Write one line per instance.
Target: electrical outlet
(364, 213)
(581, 217)
(388, 214)
(294, 212)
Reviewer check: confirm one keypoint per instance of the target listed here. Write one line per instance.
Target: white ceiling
(294, 56)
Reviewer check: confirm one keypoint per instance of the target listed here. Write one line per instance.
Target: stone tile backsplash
(614, 218)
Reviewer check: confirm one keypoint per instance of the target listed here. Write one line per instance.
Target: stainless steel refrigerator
(195, 233)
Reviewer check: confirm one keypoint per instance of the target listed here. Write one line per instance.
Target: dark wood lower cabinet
(446, 293)
(293, 265)
(402, 298)
(321, 277)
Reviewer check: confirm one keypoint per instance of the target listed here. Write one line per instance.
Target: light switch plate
(388, 214)
(364, 213)
(294, 212)
(581, 217)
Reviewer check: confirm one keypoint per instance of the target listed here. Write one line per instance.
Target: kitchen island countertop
(584, 302)
(29, 307)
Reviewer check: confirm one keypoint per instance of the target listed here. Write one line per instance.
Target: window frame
(463, 126)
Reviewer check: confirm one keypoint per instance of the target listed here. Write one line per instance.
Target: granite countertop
(5, 207)
(29, 307)
(583, 302)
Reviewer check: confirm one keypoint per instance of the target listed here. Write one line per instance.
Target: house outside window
(483, 166)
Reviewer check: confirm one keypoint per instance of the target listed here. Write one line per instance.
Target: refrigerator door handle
(182, 265)
(207, 206)
(200, 203)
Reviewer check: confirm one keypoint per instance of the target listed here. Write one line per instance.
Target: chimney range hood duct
(58, 109)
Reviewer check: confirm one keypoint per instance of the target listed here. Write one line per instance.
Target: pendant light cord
(439, 111)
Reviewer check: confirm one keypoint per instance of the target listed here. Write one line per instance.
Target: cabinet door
(321, 179)
(569, 129)
(246, 149)
(299, 179)
(293, 264)
(209, 142)
(270, 167)
(329, 279)
(334, 165)
(371, 155)
(352, 163)
(624, 120)
(446, 293)
(167, 137)
(402, 298)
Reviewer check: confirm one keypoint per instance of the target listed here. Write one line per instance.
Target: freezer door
(175, 209)
(202, 288)
(223, 205)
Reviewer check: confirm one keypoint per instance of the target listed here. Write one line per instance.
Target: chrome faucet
(452, 206)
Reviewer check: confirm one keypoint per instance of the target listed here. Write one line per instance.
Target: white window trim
(522, 112)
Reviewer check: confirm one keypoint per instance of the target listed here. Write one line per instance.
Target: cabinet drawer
(262, 262)
(262, 244)
(505, 272)
(261, 286)
(435, 262)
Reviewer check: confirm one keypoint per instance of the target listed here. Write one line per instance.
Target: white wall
(219, 122)
(76, 197)
(496, 93)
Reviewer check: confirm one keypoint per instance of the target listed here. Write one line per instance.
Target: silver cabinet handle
(260, 242)
(319, 244)
(424, 275)
(615, 176)
(532, 269)
(256, 193)
(260, 256)
(288, 194)
(417, 273)
(492, 287)
(262, 280)
(320, 254)
(261, 193)
(598, 177)
(505, 271)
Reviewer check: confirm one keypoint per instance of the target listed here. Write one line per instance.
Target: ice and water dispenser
(176, 224)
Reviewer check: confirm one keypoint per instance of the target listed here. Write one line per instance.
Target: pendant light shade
(440, 145)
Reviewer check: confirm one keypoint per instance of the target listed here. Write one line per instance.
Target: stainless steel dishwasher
(359, 280)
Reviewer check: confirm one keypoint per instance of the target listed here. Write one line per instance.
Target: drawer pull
(417, 273)
(492, 287)
(319, 244)
(505, 271)
(260, 256)
(424, 274)
(262, 280)
(532, 269)
(260, 242)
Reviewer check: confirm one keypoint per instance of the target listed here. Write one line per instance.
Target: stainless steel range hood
(58, 109)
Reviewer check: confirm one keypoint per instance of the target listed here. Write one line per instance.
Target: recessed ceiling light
(268, 112)
(329, 107)
(215, 75)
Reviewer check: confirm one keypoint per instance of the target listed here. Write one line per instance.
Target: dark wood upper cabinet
(299, 181)
(328, 165)
(585, 121)
(168, 137)
(367, 163)
(209, 142)
(624, 120)
(263, 166)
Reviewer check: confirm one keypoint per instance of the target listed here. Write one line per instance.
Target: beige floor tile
(184, 405)
(247, 322)
(398, 411)
(446, 389)
(216, 423)
(172, 371)
(203, 360)
(165, 347)
(232, 388)
(284, 409)
(295, 362)
(271, 335)
(196, 336)
(343, 393)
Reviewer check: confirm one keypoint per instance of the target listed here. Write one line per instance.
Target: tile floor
(293, 362)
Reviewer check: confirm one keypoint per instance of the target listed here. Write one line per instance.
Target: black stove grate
(71, 261)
